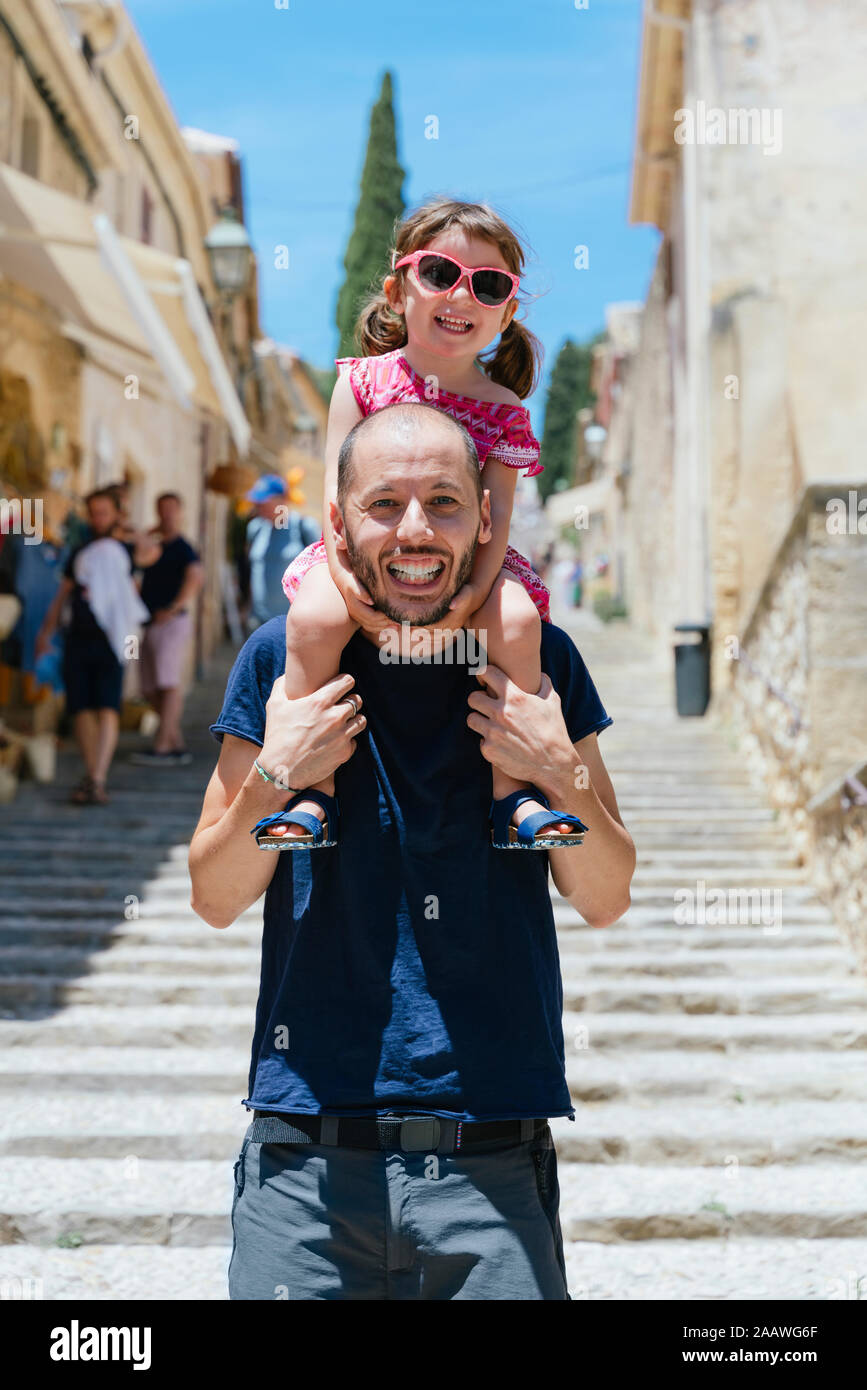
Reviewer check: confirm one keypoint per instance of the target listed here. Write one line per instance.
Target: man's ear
(392, 288)
(485, 528)
(336, 519)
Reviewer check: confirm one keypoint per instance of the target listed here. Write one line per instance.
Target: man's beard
(369, 577)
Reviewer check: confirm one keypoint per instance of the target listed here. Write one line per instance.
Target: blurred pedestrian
(275, 535)
(105, 612)
(169, 588)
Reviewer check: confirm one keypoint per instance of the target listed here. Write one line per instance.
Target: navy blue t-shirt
(412, 966)
(163, 580)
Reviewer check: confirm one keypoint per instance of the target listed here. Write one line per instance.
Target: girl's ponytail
(378, 328)
(517, 361)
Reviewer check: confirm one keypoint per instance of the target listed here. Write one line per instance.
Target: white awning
(562, 507)
(119, 289)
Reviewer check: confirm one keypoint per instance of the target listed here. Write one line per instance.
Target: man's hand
(524, 735)
(308, 738)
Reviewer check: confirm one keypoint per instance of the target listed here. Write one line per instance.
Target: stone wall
(840, 867)
(650, 567)
(797, 697)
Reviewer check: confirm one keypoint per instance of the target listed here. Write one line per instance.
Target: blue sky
(536, 109)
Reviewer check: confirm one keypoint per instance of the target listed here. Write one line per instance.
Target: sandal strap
(526, 831)
(312, 824)
(502, 811)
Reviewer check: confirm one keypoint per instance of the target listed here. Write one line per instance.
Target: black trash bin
(692, 669)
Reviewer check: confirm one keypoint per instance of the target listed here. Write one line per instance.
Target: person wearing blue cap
(275, 535)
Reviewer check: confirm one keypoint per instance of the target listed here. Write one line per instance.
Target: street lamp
(230, 253)
(594, 438)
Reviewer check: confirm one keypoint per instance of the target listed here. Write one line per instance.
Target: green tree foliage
(568, 392)
(380, 204)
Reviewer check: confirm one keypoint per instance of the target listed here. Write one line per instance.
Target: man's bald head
(447, 438)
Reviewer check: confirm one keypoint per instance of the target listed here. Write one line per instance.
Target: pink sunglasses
(438, 273)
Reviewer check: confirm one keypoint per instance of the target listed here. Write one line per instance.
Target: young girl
(456, 269)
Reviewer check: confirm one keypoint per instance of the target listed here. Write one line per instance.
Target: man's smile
(420, 573)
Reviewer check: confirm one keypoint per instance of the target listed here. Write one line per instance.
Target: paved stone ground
(717, 1069)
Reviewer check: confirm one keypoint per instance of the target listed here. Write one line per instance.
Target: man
(105, 611)
(275, 535)
(169, 588)
(412, 970)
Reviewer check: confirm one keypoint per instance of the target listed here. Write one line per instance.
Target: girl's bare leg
(318, 627)
(514, 637)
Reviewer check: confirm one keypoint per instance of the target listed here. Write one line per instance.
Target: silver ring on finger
(350, 700)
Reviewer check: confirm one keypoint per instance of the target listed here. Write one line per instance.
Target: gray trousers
(313, 1222)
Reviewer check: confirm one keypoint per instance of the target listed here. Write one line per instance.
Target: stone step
(818, 1075)
(664, 1074)
(89, 1124)
(144, 1201)
(119, 1273)
(678, 875)
(804, 915)
(650, 926)
(830, 964)
(740, 1268)
(715, 861)
(126, 1200)
(167, 1071)
(689, 995)
(649, 894)
(220, 1026)
(97, 934)
(792, 995)
(172, 885)
(625, 1202)
(732, 1033)
(700, 1132)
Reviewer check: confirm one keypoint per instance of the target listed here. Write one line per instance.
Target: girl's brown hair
(517, 359)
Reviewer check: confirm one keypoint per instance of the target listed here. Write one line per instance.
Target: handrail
(843, 792)
(797, 721)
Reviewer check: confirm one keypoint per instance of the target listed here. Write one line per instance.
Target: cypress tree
(568, 391)
(380, 204)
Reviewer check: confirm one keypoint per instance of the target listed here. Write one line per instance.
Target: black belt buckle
(419, 1133)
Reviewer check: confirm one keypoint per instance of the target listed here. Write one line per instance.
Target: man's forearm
(227, 869)
(595, 878)
(189, 588)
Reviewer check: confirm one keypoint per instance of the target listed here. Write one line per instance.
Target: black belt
(409, 1133)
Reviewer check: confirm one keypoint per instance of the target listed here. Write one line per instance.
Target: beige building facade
(745, 507)
(118, 354)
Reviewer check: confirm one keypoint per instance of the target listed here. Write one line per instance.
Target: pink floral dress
(499, 431)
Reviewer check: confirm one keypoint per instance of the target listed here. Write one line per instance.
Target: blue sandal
(504, 835)
(317, 832)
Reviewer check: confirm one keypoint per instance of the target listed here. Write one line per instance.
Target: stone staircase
(718, 1070)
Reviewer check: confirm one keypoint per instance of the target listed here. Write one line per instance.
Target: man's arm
(526, 736)
(596, 880)
(305, 740)
(52, 616)
(192, 583)
(146, 550)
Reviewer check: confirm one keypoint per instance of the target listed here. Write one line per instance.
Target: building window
(147, 218)
(30, 146)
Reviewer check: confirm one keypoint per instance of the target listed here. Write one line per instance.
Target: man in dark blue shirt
(408, 1047)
